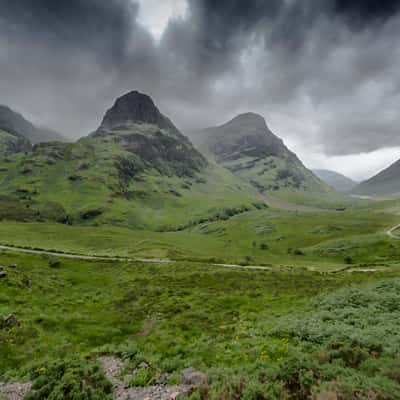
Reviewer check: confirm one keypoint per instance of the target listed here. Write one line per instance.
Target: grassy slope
(217, 320)
(283, 177)
(62, 181)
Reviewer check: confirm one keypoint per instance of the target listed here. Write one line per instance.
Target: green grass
(322, 240)
(64, 182)
(174, 316)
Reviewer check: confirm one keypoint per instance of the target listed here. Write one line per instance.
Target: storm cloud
(324, 73)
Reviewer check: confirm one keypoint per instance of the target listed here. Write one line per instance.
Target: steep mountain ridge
(136, 125)
(135, 170)
(16, 125)
(339, 182)
(385, 183)
(247, 147)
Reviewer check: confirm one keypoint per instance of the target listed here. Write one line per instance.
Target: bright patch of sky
(356, 166)
(155, 14)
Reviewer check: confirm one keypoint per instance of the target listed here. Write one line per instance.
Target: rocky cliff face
(134, 108)
(136, 124)
(245, 135)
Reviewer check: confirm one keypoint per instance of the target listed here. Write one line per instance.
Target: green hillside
(11, 143)
(138, 171)
(246, 147)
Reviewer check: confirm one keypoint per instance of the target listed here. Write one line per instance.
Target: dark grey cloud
(324, 72)
(92, 25)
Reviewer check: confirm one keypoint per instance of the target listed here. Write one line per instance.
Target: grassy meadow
(309, 327)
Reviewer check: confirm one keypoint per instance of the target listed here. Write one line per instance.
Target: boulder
(192, 377)
(9, 322)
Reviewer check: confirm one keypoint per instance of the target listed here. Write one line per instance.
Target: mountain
(387, 182)
(22, 131)
(339, 182)
(136, 170)
(247, 147)
(136, 125)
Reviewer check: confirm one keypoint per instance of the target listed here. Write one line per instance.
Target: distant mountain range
(17, 134)
(385, 183)
(339, 182)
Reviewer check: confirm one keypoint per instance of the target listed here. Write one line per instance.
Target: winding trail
(391, 234)
(120, 259)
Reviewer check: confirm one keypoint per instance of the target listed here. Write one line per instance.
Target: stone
(192, 377)
(164, 379)
(3, 274)
(10, 322)
(135, 107)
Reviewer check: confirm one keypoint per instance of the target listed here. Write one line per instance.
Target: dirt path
(82, 257)
(120, 259)
(391, 234)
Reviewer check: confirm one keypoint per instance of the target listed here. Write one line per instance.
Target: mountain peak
(134, 108)
(249, 117)
(248, 120)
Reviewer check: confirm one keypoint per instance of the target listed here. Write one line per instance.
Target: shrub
(72, 379)
(298, 252)
(55, 264)
(143, 377)
(348, 260)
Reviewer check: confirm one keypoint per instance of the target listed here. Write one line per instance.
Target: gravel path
(14, 391)
(121, 259)
(391, 234)
(113, 368)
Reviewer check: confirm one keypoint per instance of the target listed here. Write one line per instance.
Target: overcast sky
(324, 73)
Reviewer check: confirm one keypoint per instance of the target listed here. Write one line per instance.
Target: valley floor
(299, 327)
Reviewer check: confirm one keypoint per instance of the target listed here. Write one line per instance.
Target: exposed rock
(132, 108)
(3, 274)
(136, 124)
(113, 368)
(9, 322)
(247, 147)
(14, 391)
(327, 395)
(192, 377)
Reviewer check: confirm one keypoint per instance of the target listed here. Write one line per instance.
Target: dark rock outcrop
(136, 124)
(245, 135)
(134, 108)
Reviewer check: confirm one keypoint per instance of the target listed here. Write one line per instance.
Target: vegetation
(255, 333)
